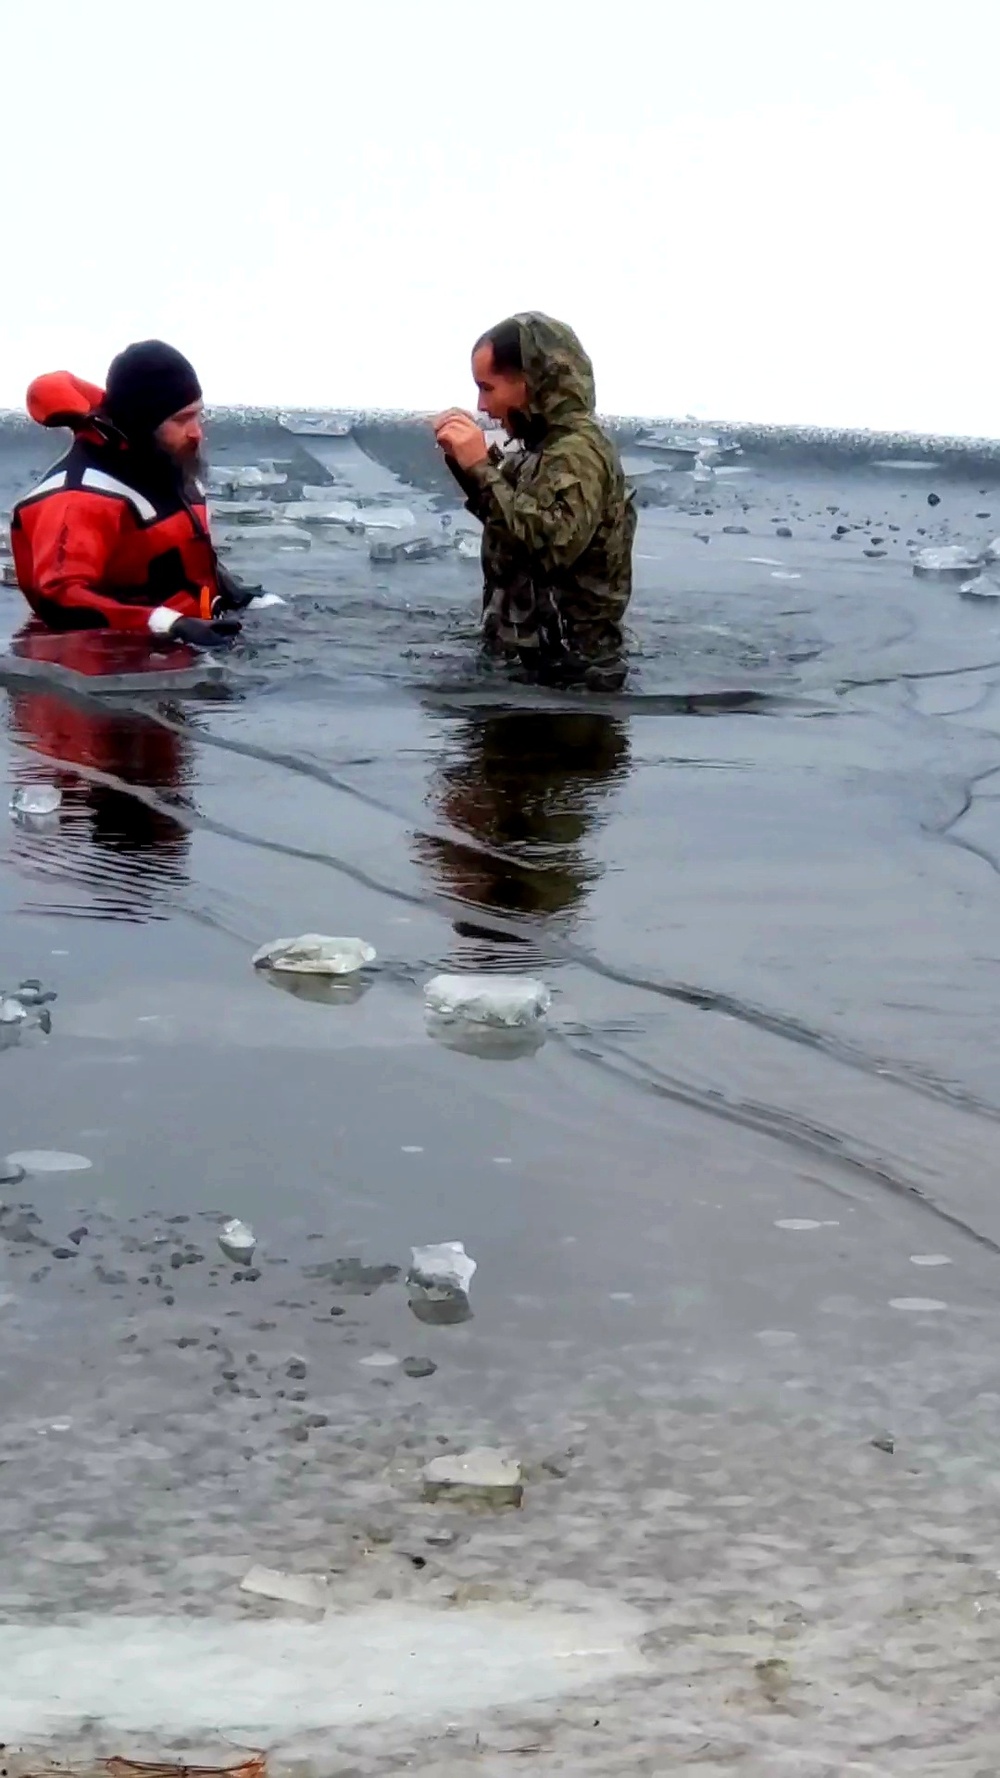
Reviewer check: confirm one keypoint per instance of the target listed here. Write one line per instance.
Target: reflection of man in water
(135, 855)
(527, 784)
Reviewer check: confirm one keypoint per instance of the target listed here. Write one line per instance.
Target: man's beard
(192, 467)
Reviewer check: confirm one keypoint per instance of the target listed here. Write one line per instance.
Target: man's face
(501, 392)
(183, 435)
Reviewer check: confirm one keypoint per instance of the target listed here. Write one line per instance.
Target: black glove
(233, 595)
(199, 634)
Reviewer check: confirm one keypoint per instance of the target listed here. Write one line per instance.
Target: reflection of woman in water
(527, 784)
(134, 855)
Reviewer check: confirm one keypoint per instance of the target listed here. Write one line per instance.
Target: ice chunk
(237, 1241)
(948, 558)
(309, 1590)
(313, 491)
(480, 1475)
(488, 999)
(438, 1283)
(262, 601)
(246, 475)
(245, 512)
(284, 536)
(23, 1012)
(983, 586)
(444, 1265)
(35, 799)
(48, 1160)
(992, 551)
(323, 512)
(315, 954)
(419, 548)
(469, 546)
(387, 518)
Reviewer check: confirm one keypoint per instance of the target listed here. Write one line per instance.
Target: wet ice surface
(736, 1224)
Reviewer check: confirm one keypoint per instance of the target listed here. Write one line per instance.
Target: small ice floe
(237, 1241)
(505, 1000)
(24, 1010)
(309, 1590)
(484, 1477)
(245, 512)
(35, 799)
(438, 1282)
(947, 559)
(421, 547)
(279, 534)
(917, 1305)
(468, 546)
(262, 601)
(444, 1265)
(326, 491)
(983, 586)
(387, 518)
(49, 1160)
(315, 953)
(244, 475)
(323, 511)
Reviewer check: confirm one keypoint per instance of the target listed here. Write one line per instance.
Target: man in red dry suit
(116, 534)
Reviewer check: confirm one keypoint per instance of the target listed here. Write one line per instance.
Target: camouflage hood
(559, 375)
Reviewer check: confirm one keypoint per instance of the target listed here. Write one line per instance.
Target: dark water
(762, 1132)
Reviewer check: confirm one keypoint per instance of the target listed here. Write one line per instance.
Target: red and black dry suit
(111, 537)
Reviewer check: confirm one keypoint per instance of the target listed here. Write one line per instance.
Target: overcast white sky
(750, 209)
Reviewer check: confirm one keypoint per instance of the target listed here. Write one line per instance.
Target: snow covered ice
(949, 558)
(237, 1241)
(35, 799)
(315, 953)
(488, 999)
(481, 1475)
(442, 1266)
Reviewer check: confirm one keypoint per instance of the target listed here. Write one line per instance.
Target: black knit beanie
(146, 384)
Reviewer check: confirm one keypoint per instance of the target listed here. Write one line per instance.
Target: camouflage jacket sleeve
(469, 486)
(553, 513)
